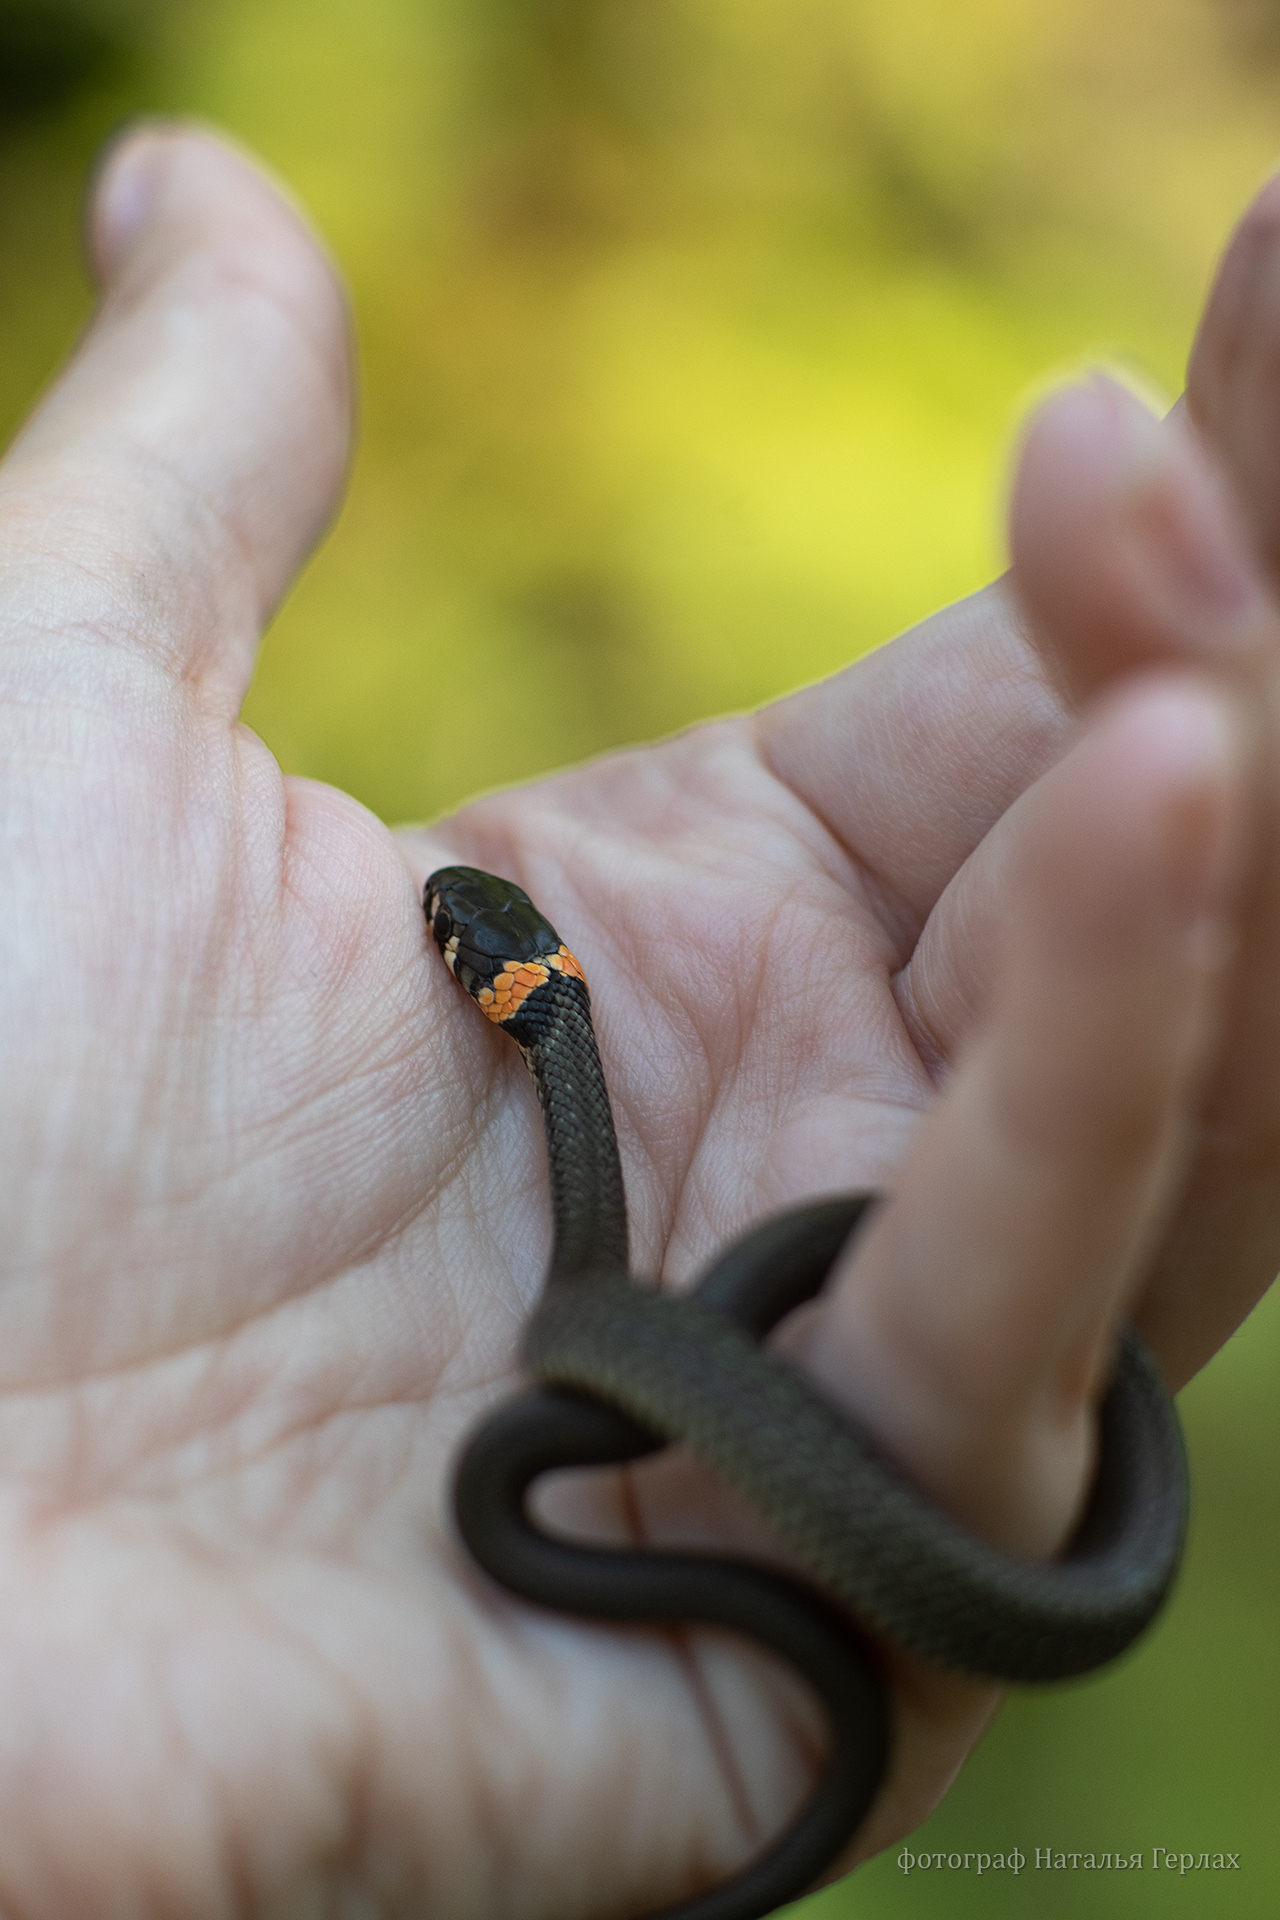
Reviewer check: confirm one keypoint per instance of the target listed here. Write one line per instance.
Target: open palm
(275, 1196)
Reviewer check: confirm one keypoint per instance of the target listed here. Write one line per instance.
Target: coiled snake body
(623, 1370)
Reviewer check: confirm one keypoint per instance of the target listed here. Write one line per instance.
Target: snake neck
(588, 1202)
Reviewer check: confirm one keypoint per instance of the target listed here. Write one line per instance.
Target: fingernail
(1107, 429)
(1178, 507)
(1173, 507)
(123, 191)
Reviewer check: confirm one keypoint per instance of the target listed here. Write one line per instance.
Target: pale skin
(992, 922)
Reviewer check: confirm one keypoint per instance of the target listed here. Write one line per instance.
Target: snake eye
(442, 926)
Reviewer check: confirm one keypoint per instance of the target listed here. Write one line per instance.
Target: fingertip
(1085, 430)
(1233, 385)
(1125, 547)
(1247, 264)
(162, 188)
(1081, 444)
(217, 376)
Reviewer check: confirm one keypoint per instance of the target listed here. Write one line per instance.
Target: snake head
(492, 938)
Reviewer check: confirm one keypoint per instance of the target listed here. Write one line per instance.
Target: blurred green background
(695, 334)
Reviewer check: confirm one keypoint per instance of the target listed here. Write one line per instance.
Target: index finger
(911, 756)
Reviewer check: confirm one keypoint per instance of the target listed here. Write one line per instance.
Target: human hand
(275, 1196)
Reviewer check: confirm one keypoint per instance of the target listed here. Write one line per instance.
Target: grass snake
(623, 1369)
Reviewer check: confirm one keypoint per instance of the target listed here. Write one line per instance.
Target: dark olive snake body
(623, 1370)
